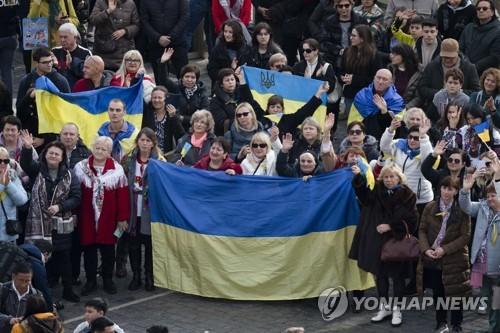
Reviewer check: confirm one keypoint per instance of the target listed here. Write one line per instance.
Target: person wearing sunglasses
(448, 127)
(356, 137)
(408, 154)
(130, 71)
(218, 159)
(480, 40)
(261, 161)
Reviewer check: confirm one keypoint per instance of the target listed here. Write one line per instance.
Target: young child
(95, 308)
(415, 22)
(452, 92)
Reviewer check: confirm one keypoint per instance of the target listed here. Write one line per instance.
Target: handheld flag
(483, 131)
(87, 109)
(185, 149)
(366, 171)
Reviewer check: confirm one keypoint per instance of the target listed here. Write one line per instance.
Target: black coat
(452, 22)
(299, 146)
(378, 207)
(318, 74)
(194, 154)
(5, 103)
(78, 154)
(435, 176)
(222, 107)
(172, 130)
(361, 77)
(286, 169)
(187, 107)
(259, 60)
(219, 57)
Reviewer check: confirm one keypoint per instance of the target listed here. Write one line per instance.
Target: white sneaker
(397, 317)
(383, 313)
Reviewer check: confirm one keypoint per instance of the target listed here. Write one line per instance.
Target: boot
(135, 283)
(149, 282)
(90, 286)
(122, 256)
(383, 313)
(109, 286)
(70, 296)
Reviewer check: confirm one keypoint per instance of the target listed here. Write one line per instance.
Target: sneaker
(382, 314)
(482, 310)
(456, 329)
(442, 328)
(397, 317)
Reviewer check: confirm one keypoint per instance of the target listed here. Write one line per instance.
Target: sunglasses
(482, 9)
(308, 50)
(355, 132)
(5, 161)
(259, 145)
(242, 114)
(413, 137)
(344, 6)
(454, 160)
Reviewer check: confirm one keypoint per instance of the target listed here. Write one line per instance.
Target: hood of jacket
(32, 251)
(464, 4)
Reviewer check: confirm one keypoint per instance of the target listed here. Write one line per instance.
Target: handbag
(396, 250)
(335, 95)
(12, 227)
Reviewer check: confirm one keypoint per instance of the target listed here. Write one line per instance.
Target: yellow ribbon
(494, 234)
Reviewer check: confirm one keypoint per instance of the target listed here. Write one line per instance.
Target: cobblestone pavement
(182, 313)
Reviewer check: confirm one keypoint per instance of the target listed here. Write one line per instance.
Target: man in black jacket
(433, 77)
(26, 105)
(164, 23)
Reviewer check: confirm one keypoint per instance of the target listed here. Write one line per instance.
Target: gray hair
(69, 27)
(104, 140)
(205, 115)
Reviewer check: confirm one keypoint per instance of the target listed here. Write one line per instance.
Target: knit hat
(449, 48)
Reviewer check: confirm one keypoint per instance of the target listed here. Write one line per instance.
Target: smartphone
(118, 232)
(173, 99)
(391, 114)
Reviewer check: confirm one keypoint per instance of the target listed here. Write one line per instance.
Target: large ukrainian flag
(295, 90)
(250, 237)
(86, 109)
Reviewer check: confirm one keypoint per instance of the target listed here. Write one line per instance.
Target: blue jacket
(15, 195)
(39, 281)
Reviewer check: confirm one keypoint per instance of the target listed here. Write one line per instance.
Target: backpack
(10, 255)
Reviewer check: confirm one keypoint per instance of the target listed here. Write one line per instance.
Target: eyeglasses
(46, 62)
(134, 61)
(259, 145)
(242, 114)
(413, 137)
(454, 160)
(482, 9)
(308, 50)
(5, 161)
(355, 132)
(346, 5)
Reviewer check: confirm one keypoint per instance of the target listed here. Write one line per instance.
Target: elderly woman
(192, 92)
(104, 212)
(218, 159)
(13, 195)
(139, 229)
(261, 161)
(356, 137)
(489, 96)
(444, 266)
(55, 193)
(195, 144)
(116, 24)
(385, 211)
(131, 69)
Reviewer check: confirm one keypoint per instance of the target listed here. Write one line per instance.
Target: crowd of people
(414, 81)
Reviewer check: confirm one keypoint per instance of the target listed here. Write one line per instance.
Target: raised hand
(287, 142)
(454, 119)
(323, 88)
(424, 127)
(329, 122)
(469, 180)
(439, 149)
(274, 132)
(171, 110)
(395, 123)
(240, 74)
(167, 55)
(26, 138)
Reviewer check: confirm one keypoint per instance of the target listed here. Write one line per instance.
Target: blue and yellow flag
(252, 238)
(86, 109)
(295, 90)
(483, 131)
(366, 171)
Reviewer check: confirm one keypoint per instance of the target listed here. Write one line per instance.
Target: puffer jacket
(125, 16)
(481, 44)
(411, 167)
(480, 211)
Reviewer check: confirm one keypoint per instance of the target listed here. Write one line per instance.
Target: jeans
(8, 47)
(199, 10)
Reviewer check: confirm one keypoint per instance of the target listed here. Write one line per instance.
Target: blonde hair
(262, 137)
(311, 122)
(5, 151)
(255, 124)
(122, 71)
(411, 111)
(106, 140)
(393, 168)
(205, 115)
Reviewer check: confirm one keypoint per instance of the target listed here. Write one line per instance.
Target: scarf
(121, 135)
(39, 224)
(402, 144)
(189, 92)
(198, 143)
(233, 12)
(363, 101)
(444, 211)
(391, 191)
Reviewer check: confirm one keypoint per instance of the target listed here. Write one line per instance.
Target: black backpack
(10, 255)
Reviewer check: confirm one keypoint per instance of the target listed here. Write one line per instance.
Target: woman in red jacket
(104, 212)
(223, 10)
(218, 159)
